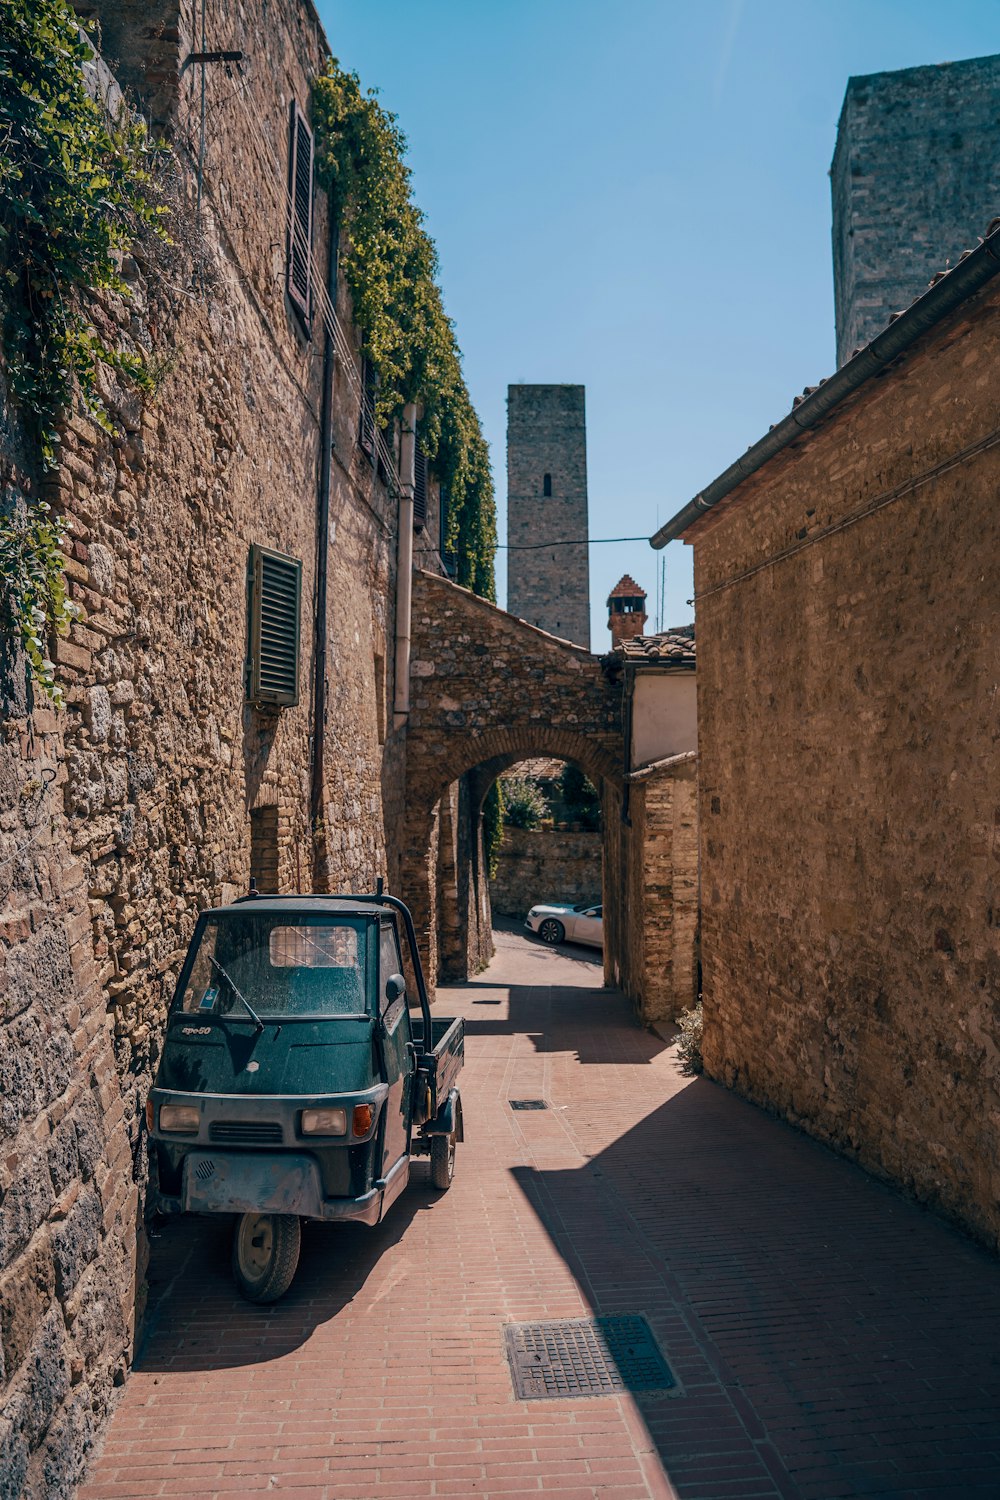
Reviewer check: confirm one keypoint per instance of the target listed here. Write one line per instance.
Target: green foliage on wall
(390, 264)
(525, 804)
(579, 796)
(493, 811)
(76, 189)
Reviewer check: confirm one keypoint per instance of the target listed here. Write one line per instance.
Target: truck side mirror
(395, 986)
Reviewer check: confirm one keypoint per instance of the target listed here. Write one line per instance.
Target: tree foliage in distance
(524, 802)
(391, 268)
(76, 190)
(579, 797)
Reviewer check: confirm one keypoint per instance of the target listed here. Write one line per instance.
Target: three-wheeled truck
(295, 1081)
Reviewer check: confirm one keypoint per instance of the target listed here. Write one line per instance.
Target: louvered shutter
(419, 488)
(300, 199)
(275, 614)
(366, 427)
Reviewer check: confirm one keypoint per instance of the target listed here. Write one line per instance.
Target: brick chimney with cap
(626, 611)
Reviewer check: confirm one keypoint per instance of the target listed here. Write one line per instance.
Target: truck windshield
(286, 964)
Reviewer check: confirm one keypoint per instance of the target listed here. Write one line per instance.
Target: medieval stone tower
(547, 503)
(915, 179)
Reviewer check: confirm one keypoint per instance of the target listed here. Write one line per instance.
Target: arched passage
(489, 690)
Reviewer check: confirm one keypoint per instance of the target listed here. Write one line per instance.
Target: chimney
(626, 611)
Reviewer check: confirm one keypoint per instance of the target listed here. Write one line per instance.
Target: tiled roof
(672, 648)
(626, 588)
(541, 768)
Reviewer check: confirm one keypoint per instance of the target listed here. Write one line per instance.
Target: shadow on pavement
(573, 1020)
(832, 1338)
(198, 1321)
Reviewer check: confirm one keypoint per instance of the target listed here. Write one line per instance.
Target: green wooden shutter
(275, 620)
(300, 196)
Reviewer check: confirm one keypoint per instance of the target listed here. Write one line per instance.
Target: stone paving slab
(830, 1338)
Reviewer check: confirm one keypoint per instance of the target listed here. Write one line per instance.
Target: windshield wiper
(237, 992)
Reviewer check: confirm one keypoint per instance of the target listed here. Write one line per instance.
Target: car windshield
(278, 965)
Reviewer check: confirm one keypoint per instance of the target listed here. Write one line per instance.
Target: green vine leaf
(78, 189)
(391, 268)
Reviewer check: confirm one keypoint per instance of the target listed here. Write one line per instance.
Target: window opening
(366, 427)
(547, 486)
(419, 488)
(275, 619)
(300, 196)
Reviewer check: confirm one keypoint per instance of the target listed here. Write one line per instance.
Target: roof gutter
(954, 287)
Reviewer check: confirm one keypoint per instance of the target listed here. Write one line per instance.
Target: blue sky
(634, 197)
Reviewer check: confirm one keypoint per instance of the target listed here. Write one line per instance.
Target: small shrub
(580, 798)
(524, 802)
(689, 1041)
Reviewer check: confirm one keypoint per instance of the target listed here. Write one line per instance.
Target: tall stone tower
(548, 585)
(915, 179)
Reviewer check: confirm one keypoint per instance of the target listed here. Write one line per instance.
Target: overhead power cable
(580, 541)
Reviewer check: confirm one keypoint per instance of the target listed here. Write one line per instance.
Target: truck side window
(389, 961)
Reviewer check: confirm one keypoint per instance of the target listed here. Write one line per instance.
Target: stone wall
(547, 434)
(487, 691)
(651, 886)
(162, 768)
(850, 821)
(546, 864)
(915, 180)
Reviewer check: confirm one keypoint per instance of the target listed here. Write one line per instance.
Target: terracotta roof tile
(674, 648)
(626, 588)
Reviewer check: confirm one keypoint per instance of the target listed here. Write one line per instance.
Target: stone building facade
(847, 573)
(167, 781)
(915, 176)
(547, 503)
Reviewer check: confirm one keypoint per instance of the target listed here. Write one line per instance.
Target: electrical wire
(991, 440)
(582, 541)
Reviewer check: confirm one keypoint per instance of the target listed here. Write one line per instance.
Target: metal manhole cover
(585, 1357)
(527, 1104)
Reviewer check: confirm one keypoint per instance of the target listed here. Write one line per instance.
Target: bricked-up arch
(487, 690)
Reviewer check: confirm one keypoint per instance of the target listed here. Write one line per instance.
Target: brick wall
(848, 801)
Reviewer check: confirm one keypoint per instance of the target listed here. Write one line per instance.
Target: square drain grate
(585, 1357)
(527, 1104)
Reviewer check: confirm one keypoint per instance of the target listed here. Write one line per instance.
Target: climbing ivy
(493, 810)
(391, 268)
(76, 190)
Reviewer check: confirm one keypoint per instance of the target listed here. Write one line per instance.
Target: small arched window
(547, 485)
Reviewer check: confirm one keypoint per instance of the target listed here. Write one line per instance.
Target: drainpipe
(404, 566)
(322, 571)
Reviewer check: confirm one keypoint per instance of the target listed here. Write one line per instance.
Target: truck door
(398, 1051)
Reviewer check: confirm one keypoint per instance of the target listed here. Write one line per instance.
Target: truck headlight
(324, 1122)
(180, 1119)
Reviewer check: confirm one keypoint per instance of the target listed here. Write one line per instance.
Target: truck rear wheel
(266, 1254)
(443, 1160)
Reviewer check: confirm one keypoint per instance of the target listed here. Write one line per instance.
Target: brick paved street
(830, 1338)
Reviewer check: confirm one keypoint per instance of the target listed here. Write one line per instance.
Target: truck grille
(246, 1132)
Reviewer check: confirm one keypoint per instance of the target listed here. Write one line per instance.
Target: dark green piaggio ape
(295, 1081)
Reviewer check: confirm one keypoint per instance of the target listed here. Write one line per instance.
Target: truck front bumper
(221, 1182)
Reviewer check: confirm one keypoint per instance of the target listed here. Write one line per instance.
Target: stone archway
(488, 690)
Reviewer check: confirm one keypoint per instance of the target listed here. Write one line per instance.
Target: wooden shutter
(366, 426)
(300, 200)
(419, 488)
(275, 618)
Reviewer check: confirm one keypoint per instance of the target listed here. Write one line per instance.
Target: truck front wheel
(443, 1160)
(266, 1254)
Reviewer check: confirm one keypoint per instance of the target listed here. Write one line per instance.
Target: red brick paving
(831, 1339)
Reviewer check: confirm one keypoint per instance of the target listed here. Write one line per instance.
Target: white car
(567, 924)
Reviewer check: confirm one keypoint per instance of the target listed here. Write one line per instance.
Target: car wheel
(266, 1254)
(443, 1161)
(551, 931)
